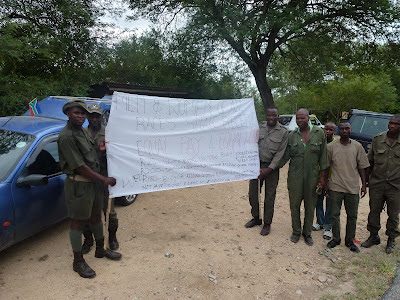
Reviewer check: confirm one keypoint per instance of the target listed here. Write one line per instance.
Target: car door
(39, 206)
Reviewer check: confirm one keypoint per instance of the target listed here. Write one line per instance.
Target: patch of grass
(372, 272)
(328, 297)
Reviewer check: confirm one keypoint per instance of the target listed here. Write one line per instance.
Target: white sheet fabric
(156, 143)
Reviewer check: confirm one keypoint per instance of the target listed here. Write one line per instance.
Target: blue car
(31, 183)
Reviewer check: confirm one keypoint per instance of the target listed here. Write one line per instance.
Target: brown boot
(390, 246)
(101, 252)
(373, 239)
(81, 267)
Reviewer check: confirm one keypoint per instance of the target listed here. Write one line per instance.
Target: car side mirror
(33, 179)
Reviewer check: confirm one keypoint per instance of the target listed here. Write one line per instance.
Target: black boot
(112, 234)
(88, 242)
(81, 267)
(373, 239)
(253, 222)
(101, 252)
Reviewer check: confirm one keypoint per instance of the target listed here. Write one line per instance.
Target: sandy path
(213, 255)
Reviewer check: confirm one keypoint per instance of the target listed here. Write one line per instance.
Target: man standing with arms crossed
(348, 161)
(384, 185)
(272, 143)
(308, 164)
(97, 132)
(83, 185)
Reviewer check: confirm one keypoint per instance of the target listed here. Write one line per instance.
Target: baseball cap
(94, 108)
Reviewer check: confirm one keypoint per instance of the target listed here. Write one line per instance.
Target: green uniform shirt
(306, 159)
(386, 159)
(272, 144)
(101, 154)
(76, 149)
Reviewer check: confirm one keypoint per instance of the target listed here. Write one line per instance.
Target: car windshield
(369, 125)
(13, 146)
(285, 120)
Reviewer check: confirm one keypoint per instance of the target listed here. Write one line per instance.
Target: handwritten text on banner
(156, 143)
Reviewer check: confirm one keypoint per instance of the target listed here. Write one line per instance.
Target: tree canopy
(260, 30)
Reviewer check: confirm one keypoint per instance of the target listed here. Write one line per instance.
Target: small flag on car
(34, 107)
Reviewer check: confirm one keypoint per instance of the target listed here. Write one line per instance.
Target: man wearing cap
(83, 186)
(97, 132)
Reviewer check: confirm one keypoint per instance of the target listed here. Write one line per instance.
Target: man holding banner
(97, 132)
(83, 185)
(272, 142)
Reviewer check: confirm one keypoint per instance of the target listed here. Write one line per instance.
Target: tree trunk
(260, 75)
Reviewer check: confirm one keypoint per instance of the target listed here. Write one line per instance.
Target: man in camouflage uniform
(83, 186)
(272, 143)
(97, 132)
(384, 185)
(306, 150)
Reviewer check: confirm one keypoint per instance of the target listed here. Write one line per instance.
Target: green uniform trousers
(302, 188)
(351, 202)
(271, 183)
(379, 195)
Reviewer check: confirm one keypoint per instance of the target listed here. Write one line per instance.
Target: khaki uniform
(99, 137)
(306, 162)
(77, 149)
(271, 144)
(384, 184)
(344, 184)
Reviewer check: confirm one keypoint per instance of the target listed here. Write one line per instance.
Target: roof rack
(87, 99)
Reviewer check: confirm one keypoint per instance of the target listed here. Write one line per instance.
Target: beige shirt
(272, 144)
(345, 161)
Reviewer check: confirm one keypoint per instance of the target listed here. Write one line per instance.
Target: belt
(79, 178)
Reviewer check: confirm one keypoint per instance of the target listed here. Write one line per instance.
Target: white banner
(156, 143)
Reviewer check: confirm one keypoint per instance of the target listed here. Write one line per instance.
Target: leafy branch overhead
(260, 30)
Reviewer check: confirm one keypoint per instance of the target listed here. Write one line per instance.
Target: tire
(126, 200)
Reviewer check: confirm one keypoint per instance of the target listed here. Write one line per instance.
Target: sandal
(316, 227)
(327, 234)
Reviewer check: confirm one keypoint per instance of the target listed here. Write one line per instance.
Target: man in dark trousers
(271, 144)
(308, 164)
(97, 132)
(348, 161)
(83, 186)
(384, 185)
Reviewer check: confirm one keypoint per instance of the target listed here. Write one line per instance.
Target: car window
(285, 120)
(13, 145)
(369, 125)
(45, 161)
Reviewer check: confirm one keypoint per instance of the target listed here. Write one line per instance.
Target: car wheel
(126, 200)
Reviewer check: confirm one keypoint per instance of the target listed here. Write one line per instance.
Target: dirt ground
(212, 254)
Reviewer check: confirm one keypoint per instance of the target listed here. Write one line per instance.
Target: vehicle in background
(52, 107)
(366, 124)
(289, 121)
(31, 182)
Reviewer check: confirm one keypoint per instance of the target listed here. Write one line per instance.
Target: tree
(256, 30)
(46, 47)
(346, 91)
(173, 62)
